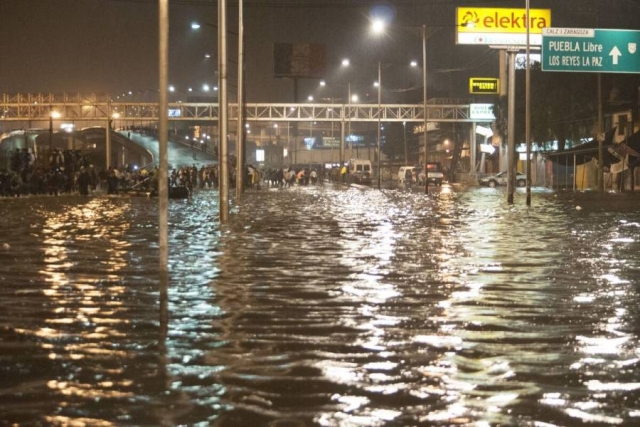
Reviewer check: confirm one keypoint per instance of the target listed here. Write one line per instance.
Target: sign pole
(600, 138)
(528, 111)
(511, 147)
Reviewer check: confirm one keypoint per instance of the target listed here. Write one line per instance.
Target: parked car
(501, 179)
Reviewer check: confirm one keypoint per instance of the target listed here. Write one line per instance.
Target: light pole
(424, 105)
(379, 113)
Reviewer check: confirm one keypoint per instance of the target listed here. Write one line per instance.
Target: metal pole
(163, 184)
(404, 139)
(511, 143)
(424, 106)
(223, 159)
(600, 138)
(342, 137)
(504, 66)
(108, 133)
(528, 110)
(473, 147)
(349, 118)
(240, 129)
(379, 114)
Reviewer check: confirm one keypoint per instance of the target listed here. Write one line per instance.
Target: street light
(378, 26)
(379, 114)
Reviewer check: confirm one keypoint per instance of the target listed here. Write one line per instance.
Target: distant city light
(310, 98)
(346, 62)
(354, 98)
(205, 87)
(195, 26)
(376, 84)
(323, 83)
(172, 89)
(414, 63)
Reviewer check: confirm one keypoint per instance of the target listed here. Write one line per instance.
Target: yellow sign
(484, 85)
(500, 26)
(501, 20)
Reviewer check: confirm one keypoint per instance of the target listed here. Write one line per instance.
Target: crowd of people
(72, 172)
(287, 177)
(68, 170)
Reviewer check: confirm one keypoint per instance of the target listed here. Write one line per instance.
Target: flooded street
(323, 306)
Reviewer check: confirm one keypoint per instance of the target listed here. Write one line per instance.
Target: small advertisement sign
(482, 112)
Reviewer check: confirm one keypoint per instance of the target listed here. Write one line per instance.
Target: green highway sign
(590, 50)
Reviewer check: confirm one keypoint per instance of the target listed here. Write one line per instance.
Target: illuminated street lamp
(378, 26)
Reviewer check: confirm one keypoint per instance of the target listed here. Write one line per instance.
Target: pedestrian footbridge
(42, 107)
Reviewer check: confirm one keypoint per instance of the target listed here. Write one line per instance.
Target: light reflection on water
(323, 306)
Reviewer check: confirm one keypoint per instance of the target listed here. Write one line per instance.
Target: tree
(564, 105)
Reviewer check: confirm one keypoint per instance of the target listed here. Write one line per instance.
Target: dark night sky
(97, 46)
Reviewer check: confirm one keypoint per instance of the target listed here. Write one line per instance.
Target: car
(434, 173)
(501, 179)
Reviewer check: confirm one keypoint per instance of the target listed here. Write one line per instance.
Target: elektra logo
(470, 19)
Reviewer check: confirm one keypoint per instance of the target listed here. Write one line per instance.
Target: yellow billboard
(485, 25)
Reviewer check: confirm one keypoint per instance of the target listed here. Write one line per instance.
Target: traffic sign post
(590, 50)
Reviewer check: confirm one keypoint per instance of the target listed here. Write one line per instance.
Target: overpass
(77, 107)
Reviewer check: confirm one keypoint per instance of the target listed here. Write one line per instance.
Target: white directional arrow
(615, 52)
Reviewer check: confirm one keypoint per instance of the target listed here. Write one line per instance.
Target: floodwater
(323, 306)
